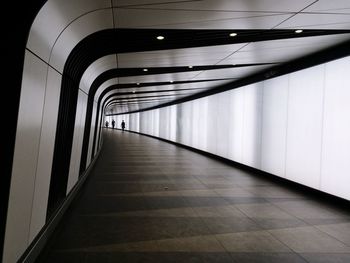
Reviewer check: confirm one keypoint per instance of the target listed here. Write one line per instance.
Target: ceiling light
(233, 34)
(298, 31)
(133, 91)
(145, 69)
(137, 83)
(190, 66)
(160, 37)
(171, 81)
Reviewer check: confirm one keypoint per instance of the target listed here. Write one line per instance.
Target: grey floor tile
(267, 258)
(218, 225)
(309, 240)
(252, 242)
(149, 201)
(338, 231)
(327, 258)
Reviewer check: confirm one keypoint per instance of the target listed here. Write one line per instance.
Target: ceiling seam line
(295, 14)
(47, 63)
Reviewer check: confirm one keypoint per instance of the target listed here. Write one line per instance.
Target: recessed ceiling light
(298, 31)
(160, 37)
(190, 66)
(145, 69)
(233, 34)
(137, 83)
(133, 91)
(171, 81)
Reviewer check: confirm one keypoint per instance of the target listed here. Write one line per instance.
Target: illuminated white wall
(296, 126)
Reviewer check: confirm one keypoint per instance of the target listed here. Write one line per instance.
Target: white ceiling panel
(61, 24)
(317, 21)
(95, 69)
(223, 5)
(153, 96)
(72, 35)
(195, 85)
(105, 85)
(159, 77)
(230, 73)
(177, 57)
(180, 19)
(330, 6)
(283, 50)
(53, 18)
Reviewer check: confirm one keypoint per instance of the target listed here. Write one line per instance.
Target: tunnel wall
(295, 126)
(34, 152)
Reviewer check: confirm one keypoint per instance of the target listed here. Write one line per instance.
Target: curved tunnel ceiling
(117, 41)
(109, 43)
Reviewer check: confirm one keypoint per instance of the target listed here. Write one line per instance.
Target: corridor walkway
(150, 201)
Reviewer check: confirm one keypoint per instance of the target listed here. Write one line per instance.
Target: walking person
(113, 123)
(106, 124)
(123, 125)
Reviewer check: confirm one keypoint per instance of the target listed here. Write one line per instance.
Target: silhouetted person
(107, 124)
(113, 124)
(123, 125)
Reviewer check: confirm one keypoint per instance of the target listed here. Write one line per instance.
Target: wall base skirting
(39, 242)
(322, 196)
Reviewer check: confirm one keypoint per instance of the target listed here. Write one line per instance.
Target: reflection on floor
(150, 201)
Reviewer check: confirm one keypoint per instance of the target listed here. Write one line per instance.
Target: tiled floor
(150, 201)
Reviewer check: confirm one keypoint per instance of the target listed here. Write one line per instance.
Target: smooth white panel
(274, 125)
(164, 122)
(336, 130)
(305, 126)
(155, 122)
(236, 124)
(52, 19)
(46, 149)
(186, 122)
(25, 158)
(178, 57)
(195, 123)
(95, 69)
(212, 116)
(317, 21)
(203, 123)
(222, 120)
(82, 27)
(224, 5)
(282, 50)
(183, 19)
(338, 6)
(173, 119)
(252, 125)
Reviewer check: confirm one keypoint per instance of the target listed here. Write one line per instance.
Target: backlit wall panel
(335, 162)
(222, 117)
(274, 125)
(251, 137)
(235, 124)
(303, 160)
(295, 126)
(173, 118)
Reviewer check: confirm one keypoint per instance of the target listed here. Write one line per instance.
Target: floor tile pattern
(150, 201)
